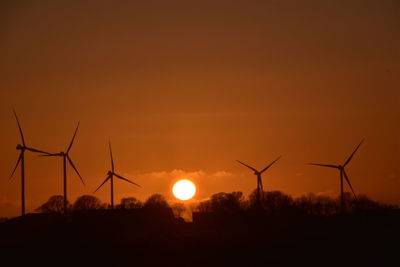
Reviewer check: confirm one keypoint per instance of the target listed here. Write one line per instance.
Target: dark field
(127, 238)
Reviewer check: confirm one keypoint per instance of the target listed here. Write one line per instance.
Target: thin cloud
(222, 174)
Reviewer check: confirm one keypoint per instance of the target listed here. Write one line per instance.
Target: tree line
(271, 201)
(55, 204)
(277, 201)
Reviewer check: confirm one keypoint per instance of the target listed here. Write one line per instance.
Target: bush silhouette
(55, 204)
(178, 209)
(317, 204)
(364, 203)
(223, 202)
(88, 202)
(156, 202)
(130, 203)
(272, 200)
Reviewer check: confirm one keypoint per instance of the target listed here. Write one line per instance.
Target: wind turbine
(21, 159)
(342, 173)
(65, 156)
(259, 180)
(110, 176)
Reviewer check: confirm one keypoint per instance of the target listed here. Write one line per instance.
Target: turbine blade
(105, 180)
(247, 166)
(111, 156)
(266, 168)
(73, 138)
(19, 127)
(16, 165)
(352, 154)
(324, 165)
(37, 150)
(125, 179)
(348, 182)
(76, 170)
(49, 155)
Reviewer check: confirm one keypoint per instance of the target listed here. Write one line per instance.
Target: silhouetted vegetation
(178, 209)
(223, 202)
(276, 201)
(325, 205)
(88, 202)
(231, 230)
(272, 201)
(55, 204)
(130, 203)
(156, 202)
(317, 204)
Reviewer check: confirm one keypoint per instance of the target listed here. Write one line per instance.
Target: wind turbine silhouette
(259, 179)
(21, 159)
(342, 173)
(110, 176)
(65, 156)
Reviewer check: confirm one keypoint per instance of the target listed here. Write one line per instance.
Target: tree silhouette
(178, 209)
(223, 202)
(204, 206)
(88, 202)
(55, 204)
(325, 205)
(364, 203)
(156, 202)
(130, 203)
(271, 200)
(317, 204)
(276, 200)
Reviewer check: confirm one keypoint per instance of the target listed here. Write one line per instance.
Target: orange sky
(184, 89)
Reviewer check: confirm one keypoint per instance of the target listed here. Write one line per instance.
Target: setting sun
(184, 189)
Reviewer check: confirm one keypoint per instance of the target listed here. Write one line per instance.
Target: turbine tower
(110, 176)
(260, 188)
(21, 159)
(342, 173)
(65, 156)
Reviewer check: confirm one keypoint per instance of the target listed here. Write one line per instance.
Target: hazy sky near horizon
(184, 88)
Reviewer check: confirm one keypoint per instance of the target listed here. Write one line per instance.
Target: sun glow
(184, 189)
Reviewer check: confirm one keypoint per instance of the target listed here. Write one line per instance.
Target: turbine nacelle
(109, 173)
(20, 147)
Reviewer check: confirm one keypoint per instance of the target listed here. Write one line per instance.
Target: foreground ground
(130, 239)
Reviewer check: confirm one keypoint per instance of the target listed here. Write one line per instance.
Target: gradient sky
(184, 88)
